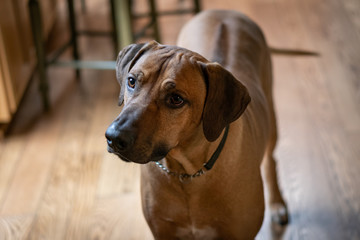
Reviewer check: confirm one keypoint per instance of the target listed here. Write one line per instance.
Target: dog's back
(233, 40)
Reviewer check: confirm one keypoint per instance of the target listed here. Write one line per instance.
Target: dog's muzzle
(119, 141)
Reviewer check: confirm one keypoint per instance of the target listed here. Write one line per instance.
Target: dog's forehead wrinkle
(169, 84)
(155, 65)
(164, 66)
(167, 59)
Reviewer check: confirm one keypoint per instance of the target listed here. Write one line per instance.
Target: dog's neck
(189, 156)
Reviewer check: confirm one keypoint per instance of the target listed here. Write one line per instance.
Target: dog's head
(169, 94)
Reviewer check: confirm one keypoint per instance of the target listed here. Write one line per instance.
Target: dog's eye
(131, 82)
(175, 101)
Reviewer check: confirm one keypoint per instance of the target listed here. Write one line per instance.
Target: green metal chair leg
(123, 23)
(83, 6)
(114, 28)
(154, 20)
(36, 25)
(72, 21)
(197, 6)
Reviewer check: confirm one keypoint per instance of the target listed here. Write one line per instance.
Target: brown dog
(177, 106)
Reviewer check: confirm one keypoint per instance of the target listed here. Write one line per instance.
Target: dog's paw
(279, 213)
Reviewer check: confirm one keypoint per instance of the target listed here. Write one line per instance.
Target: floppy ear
(123, 65)
(227, 98)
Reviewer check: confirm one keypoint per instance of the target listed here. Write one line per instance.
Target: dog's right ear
(123, 65)
(227, 98)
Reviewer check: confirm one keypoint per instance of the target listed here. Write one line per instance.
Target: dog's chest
(192, 232)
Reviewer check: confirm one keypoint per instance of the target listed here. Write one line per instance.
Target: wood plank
(330, 124)
(309, 80)
(323, 113)
(6, 75)
(22, 188)
(117, 177)
(32, 170)
(93, 154)
(352, 8)
(15, 227)
(73, 166)
(111, 220)
(11, 150)
(340, 56)
(5, 113)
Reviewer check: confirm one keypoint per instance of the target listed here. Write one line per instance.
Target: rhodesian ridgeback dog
(199, 117)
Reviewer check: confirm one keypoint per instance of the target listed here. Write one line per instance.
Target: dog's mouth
(111, 150)
(140, 157)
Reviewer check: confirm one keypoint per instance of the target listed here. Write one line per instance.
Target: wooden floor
(57, 180)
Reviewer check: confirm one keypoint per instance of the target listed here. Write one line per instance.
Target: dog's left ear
(126, 59)
(227, 98)
(123, 61)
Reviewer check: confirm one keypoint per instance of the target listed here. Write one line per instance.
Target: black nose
(119, 140)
